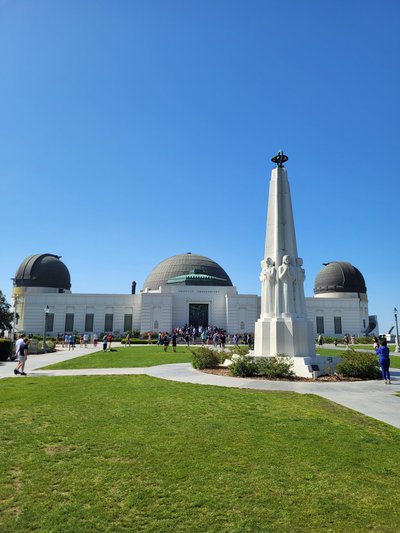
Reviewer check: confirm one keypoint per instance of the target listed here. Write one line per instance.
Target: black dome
(187, 269)
(339, 276)
(43, 270)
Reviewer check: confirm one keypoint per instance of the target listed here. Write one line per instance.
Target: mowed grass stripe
(133, 453)
(127, 357)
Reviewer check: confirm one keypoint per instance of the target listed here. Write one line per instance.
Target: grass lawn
(130, 357)
(133, 453)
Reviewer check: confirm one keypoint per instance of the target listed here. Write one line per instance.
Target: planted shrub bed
(354, 366)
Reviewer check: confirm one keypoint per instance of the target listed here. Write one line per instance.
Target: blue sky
(132, 131)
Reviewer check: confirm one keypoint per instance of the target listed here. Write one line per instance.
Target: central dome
(187, 269)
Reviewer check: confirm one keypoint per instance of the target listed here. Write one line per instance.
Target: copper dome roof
(187, 269)
(43, 270)
(339, 276)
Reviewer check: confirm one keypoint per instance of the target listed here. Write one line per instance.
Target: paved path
(372, 398)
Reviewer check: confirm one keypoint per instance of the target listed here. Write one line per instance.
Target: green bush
(205, 358)
(240, 350)
(50, 346)
(276, 367)
(243, 367)
(364, 340)
(363, 365)
(139, 341)
(5, 349)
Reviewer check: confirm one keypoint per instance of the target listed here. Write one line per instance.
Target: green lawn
(133, 453)
(130, 357)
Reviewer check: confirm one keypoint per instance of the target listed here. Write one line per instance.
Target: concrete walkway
(372, 398)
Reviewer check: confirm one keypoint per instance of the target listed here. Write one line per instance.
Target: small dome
(339, 276)
(187, 269)
(43, 270)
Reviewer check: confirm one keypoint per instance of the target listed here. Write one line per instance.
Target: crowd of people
(207, 336)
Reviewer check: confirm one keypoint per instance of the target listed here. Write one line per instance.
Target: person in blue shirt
(384, 360)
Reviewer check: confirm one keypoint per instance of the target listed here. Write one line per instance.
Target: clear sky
(131, 131)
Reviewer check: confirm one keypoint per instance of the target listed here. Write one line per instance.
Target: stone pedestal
(289, 336)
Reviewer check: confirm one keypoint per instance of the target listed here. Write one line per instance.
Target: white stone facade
(169, 307)
(160, 310)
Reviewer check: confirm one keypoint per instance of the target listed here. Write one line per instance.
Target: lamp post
(14, 305)
(14, 302)
(397, 348)
(46, 313)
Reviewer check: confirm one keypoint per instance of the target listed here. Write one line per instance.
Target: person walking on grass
(21, 357)
(173, 338)
(105, 342)
(166, 341)
(384, 360)
(109, 338)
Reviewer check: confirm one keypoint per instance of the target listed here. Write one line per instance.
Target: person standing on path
(384, 360)
(22, 356)
(105, 342)
(18, 345)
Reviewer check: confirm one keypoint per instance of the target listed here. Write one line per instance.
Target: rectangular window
(69, 322)
(338, 324)
(89, 319)
(364, 323)
(108, 323)
(320, 324)
(127, 322)
(49, 322)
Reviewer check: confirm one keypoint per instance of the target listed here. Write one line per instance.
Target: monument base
(289, 335)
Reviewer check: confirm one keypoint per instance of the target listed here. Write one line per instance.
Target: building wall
(168, 308)
(156, 312)
(352, 310)
(33, 305)
(242, 311)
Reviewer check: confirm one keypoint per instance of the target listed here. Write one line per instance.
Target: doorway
(198, 315)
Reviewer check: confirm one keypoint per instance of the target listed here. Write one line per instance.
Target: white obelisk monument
(283, 327)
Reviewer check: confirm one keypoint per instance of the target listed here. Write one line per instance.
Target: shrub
(240, 350)
(145, 335)
(363, 365)
(276, 367)
(205, 358)
(5, 349)
(50, 347)
(139, 341)
(243, 367)
(364, 340)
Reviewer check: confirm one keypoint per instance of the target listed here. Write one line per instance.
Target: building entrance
(198, 315)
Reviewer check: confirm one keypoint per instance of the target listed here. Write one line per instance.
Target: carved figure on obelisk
(268, 280)
(299, 287)
(287, 275)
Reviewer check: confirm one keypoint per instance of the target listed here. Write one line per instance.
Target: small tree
(6, 317)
